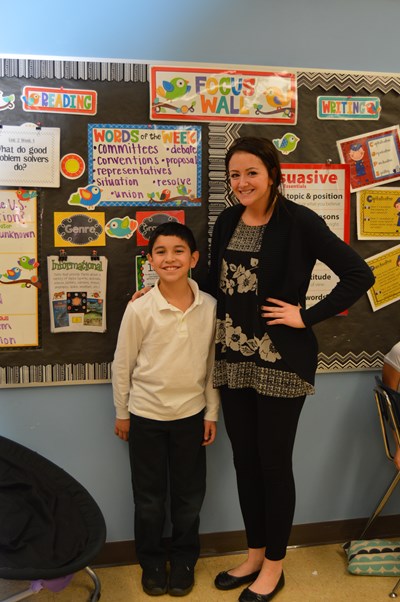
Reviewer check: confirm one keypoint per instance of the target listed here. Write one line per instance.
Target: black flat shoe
(248, 596)
(226, 581)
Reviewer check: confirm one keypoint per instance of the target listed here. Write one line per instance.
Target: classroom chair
(51, 527)
(388, 405)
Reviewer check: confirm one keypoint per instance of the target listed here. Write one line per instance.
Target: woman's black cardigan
(293, 240)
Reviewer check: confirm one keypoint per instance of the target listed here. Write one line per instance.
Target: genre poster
(373, 158)
(184, 93)
(19, 281)
(77, 293)
(386, 269)
(378, 214)
(325, 189)
(144, 166)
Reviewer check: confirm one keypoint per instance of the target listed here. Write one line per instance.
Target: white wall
(339, 462)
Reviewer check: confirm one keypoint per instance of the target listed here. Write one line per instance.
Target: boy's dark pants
(159, 449)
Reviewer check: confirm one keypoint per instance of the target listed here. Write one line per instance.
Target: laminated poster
(29, 156)
(386, 269)
(77, 293)
(325, 189)
(378, 214)
(373, 158)
(19, 282)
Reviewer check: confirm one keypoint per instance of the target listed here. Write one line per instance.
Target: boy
(167, 408)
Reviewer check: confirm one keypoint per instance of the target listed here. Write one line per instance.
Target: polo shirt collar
(162, 303)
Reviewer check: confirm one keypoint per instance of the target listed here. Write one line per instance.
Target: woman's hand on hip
(282, 313)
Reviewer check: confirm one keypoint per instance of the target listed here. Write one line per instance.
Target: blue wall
(339, 462)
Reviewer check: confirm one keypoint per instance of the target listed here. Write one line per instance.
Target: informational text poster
(19, 281)
(77, 293)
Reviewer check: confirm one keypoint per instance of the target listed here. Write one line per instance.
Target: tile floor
(313, 574)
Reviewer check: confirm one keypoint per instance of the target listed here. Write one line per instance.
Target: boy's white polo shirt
(163, 362)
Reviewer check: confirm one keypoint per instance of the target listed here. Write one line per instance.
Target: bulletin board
(91, 217)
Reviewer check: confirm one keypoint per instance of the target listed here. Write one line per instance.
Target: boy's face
(171, 258)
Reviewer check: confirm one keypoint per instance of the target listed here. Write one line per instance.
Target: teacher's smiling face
(250, 181)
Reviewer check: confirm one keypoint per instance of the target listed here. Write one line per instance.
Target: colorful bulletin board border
(182, 93)
(386, 269)
(146, 165)
(374, 158)
(378, 214)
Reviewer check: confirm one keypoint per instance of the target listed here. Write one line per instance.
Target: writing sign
(30, 156)
(145, 165)
(19, 282)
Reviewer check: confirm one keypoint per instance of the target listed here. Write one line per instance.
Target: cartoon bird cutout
(182, 190)
(277, 98)
(87, 197)
(26, 195)
(287, 144)
(6, 102)
(121, 227)
(164, 195)
(31, 100)
(13, 273)
(174, 89)
(28, 263)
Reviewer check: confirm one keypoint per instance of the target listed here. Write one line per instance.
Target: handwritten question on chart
(29, 156)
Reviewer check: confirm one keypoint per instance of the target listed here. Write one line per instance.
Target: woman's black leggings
(262, 431)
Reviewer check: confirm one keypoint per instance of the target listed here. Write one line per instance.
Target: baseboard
(234, 542)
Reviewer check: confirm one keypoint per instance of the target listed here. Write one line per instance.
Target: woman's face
(250, 180)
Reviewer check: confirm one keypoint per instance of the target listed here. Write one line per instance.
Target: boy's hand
(210, 431)
(140, 293)
(121, 428)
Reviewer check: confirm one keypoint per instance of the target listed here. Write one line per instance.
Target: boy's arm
(210, 432)
(126, 352)
(211, 394)
(121, 428)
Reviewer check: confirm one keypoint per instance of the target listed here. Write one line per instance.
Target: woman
(263, 252)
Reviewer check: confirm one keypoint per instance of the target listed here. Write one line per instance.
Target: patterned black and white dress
(245, 354)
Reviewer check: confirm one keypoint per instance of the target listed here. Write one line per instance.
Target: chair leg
(382, 502)
(393, 592)
(20, 596)
(97, 585)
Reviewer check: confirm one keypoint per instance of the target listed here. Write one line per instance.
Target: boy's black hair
(173, 229)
